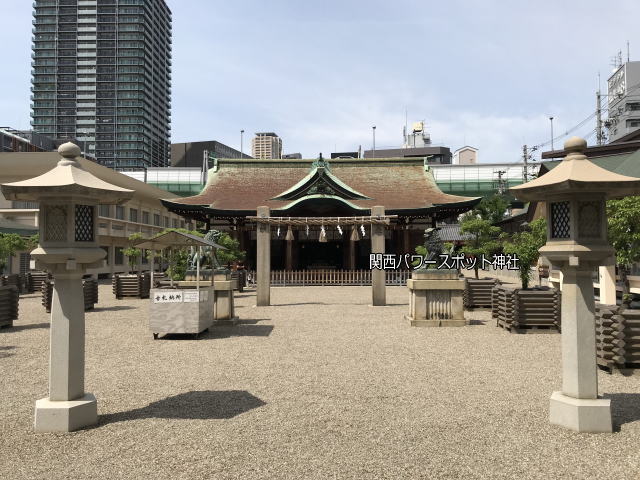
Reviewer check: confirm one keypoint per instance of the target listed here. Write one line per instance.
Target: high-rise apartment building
(266, 145)
(102, 74)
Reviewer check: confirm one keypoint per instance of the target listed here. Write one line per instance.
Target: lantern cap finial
(575, 144)
(69, 150)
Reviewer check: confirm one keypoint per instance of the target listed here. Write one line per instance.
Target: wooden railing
(330, 277)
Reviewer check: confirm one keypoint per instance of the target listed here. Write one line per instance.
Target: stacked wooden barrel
(9, 296)
(131, 285)
(15, 279)
(477, 293)
(89, 290)
(157, 277)
(617, 337)
(35, 280)
(523, 310)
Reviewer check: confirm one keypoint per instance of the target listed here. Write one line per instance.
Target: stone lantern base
(66, 416)
(581, 415)
(436, 299)
(224, 312)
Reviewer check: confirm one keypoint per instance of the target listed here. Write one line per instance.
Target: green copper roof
(624, 164)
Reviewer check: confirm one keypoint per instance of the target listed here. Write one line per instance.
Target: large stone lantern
(575, 192)
(68, 245)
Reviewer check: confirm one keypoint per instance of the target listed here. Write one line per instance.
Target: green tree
(177, 256)
(525, 246)
(483, 241)
(492, 208)
(624, 234)
(232, 252)
(422, 251)
(10, 243)
(132, 253)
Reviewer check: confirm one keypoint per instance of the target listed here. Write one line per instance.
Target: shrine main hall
(304, 194)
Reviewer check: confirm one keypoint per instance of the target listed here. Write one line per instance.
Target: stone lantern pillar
(575, 192)
(68, 245)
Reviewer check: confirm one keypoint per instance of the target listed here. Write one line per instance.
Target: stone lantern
(68, 245)
(575, 192)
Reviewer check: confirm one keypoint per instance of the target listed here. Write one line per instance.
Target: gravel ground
(319, 385)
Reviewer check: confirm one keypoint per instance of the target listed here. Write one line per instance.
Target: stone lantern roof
(68, 178)
(577, 174)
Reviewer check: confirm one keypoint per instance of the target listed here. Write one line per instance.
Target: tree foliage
(483, 241)
(623, 218)
(177, 256)
(422, 251)
(132, 253)
(624, 229)
(525, 246)
(10, 243)
(492, 208)
(232, 252)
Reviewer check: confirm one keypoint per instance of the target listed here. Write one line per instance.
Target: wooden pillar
(406, 240)
(288, 262)
(352, 254)
(263, 259)
(241, 237)
(378, 286)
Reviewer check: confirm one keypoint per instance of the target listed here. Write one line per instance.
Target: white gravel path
(320, 385)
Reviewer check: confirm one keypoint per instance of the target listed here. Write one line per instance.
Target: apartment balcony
(43, 21)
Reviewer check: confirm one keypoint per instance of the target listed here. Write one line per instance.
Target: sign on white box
(168, 296)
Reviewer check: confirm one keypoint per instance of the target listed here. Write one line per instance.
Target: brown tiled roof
(393, 183)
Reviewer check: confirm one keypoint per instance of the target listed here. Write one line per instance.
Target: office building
(102, 74)
(624, 101)
(434, 155)
(191, 154)
(266, 145)
(345, 155)
(416, 143)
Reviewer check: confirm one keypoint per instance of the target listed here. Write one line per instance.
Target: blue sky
(485, 73)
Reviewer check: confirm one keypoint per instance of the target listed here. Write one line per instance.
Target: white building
(465, 156)
(624, 101)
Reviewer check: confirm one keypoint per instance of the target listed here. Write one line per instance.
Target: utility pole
(525, 159)
(374, 141)
(551, 120)
(501, 181)
(599, 130)
(241, 142)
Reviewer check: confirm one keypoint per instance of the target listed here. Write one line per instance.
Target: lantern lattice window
(589, 219)
(56, 223)
(560, 225)
(84, 223)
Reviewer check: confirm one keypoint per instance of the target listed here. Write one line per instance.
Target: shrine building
(316, 189)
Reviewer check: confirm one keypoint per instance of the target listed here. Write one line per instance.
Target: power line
(567, 132)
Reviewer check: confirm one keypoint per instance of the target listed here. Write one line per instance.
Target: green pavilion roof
(624, 164)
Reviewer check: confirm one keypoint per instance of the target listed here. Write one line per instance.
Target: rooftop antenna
(628, 51)
(616, 60)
